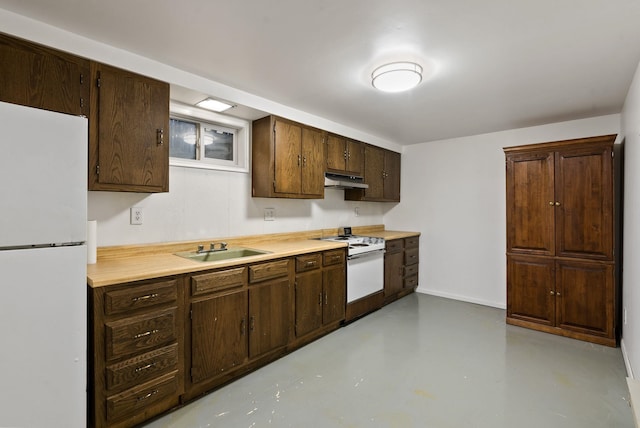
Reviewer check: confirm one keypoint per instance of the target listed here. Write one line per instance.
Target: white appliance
(43, 298)
(365, 265)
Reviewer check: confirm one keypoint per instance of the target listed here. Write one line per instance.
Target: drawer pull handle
(309, 264)
(149, 395)
(148, 296)
(326, 299)
(146, 333)
(148, 366)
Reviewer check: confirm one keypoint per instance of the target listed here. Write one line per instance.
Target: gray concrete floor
(426, 361)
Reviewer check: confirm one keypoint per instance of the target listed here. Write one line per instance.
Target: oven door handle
(367, 254)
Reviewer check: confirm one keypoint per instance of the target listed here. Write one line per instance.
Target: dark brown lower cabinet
(320, 292)
(218, 334)
(573, 298)
(269, 308)
(401, 262)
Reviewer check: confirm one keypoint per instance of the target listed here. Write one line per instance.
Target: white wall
(453, 192)
(208, 204)
(631, 242)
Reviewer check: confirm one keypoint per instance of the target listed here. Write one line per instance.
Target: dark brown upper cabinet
(128, 131)
(287, 160)
(36, 76)
(344, 156)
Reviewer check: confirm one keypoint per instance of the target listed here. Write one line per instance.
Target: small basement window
(203, 139)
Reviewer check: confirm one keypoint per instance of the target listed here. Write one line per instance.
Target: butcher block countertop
(120, 264)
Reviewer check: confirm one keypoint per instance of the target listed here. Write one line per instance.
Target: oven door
(365, 274)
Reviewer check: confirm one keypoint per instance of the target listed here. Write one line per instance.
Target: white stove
(359, 244)
(365, 265)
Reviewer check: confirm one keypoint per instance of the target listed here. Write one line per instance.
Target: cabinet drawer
(413, 242)
(140, 333)
(308, 262)
(142, 367)
(269, 270)
(140, 296)
(218, 281)
(394, 246)
(333, 257)
(411, 256)
(411, 281)
(136, 399)
(411, 269)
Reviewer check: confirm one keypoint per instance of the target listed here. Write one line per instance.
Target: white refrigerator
(43, 256)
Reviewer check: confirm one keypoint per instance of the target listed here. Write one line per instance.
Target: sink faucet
(222, 246)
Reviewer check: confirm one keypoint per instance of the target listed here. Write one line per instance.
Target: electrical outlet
(269, 214)
(136, 215)
(356, 210)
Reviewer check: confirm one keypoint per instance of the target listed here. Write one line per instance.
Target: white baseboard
(625, 357)
(499, 305)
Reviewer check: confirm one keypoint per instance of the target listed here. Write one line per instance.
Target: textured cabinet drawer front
(333, 257)
(411, 270)
(411, 281)
(140, 296)
(308, 262)
(411, 256)
(142, 367)
(413, 242)
(136, 399)
(140, 333)
(218, 281)
(269, 270)
(394, 246)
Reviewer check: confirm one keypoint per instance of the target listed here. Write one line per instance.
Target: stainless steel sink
(218, 255)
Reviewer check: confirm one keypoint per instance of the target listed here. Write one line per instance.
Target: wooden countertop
(129, 263)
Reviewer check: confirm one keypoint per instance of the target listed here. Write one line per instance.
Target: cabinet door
(530, 289)
(129, 141)
(312, 162)
(584, 192)
(355, 157)
(585, 297)
(308, 302)
(334, 284)
(391, 176)
(287, 157)
(336, 152)
(39, 77)
(393, 273)
(268, 316)
(374, 172)
(530, 203)
(218, 335)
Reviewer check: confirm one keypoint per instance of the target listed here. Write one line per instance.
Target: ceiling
(491, 65)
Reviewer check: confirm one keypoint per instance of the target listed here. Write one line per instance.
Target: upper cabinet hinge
(274, 185)
(98, 82)
(81, 78)
(81, 102)
(98, 169)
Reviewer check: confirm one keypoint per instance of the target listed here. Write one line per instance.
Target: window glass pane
(217, 144)
(182, 143)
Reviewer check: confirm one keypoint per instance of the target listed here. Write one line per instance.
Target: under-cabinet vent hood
(340, 181)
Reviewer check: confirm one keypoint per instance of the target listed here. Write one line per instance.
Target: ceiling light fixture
(396, 76)
(214, 105)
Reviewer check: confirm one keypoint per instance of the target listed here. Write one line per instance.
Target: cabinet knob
(552, 292)
(557, 204)
(551, 203)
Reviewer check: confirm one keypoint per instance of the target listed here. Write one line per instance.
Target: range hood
(341, 181)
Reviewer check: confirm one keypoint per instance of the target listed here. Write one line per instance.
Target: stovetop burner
(359, 244)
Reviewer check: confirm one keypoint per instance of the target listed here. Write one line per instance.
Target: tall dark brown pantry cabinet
(562, 248)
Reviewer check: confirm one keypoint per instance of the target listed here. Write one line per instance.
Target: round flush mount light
(396, 76)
